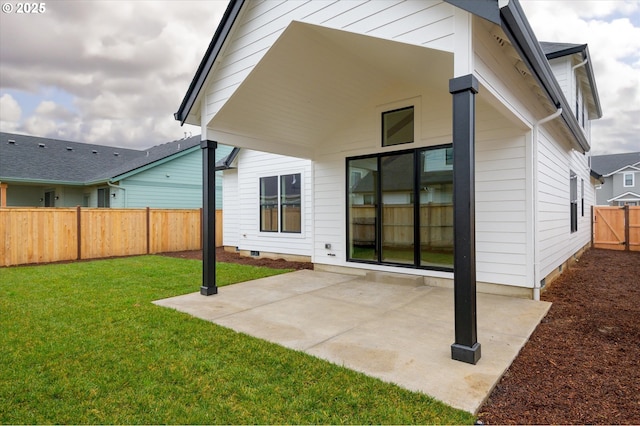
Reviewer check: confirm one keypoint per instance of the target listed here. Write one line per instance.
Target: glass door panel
(363, 203)
(397, 190)
(436, 207)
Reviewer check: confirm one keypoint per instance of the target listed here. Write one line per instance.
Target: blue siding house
(42, 172)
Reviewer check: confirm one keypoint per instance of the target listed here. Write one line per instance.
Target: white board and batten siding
(255, 165)
(426, 23)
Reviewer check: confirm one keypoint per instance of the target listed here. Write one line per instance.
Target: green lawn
(82, 343)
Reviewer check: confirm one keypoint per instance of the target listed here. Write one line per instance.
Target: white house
(394, 110)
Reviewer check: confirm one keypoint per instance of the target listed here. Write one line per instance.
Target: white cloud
(125, 66)
(10, 112)
(614, 45)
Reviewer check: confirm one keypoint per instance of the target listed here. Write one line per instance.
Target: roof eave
(10, 179)
(517, 28)
(592, 82)
(622, 169)
(486, 9)
(210, 56)
(623, 197)
(579, 48)
(597, 176)
(225, 163)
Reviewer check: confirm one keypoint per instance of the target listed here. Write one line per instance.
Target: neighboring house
(621, 175)
(43, 172)
(365, 96)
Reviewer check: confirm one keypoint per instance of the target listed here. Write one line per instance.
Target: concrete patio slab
(396, 332)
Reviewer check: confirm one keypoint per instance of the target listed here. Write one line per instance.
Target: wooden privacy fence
(616, 228)
(436, 225)
(37, 235)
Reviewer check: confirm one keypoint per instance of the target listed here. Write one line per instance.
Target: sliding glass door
(400, 208)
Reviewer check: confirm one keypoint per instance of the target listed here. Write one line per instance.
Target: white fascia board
(627, 196)
(623, 169)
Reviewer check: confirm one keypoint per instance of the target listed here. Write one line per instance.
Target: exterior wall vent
(501, 42)
(255, 253)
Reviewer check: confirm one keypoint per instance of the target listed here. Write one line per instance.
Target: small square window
(397, 126)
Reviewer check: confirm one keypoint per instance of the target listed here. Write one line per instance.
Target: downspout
(124, 201)
(579, 65)
(534, 155)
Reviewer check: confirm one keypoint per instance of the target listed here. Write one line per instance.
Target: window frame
(106, 200)
(279, 205)
(624, 179)
(573, 200)
(263, 205)
(383, 138)
(379, 206)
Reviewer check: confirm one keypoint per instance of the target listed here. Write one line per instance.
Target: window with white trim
(281, 203)
(629, 180)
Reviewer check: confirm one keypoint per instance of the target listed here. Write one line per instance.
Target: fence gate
(616, 228)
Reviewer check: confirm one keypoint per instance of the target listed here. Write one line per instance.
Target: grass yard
(82, 343)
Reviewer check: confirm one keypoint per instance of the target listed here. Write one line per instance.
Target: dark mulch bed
(226, 256)
(582, 363)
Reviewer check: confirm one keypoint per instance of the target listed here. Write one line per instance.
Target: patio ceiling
(315, 80)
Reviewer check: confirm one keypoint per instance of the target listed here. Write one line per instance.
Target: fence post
(79, 230)
(626, 228)
(148, 230)
(593, 224)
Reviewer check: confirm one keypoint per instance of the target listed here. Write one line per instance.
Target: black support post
(466, 347)
(209, 218)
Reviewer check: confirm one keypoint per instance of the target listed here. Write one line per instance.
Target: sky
(114, 72)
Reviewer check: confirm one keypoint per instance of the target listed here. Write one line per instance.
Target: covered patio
(389, 326)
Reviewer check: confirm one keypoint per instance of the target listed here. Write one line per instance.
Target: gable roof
(509, 15)
(606, 165)
(627, 196)
(150, 157)
(34, 159)
(559, 50)
(556, 50)
(210, 56)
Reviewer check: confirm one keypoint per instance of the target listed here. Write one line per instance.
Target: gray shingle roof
(34, 158)
(30, 158)
(606, 164)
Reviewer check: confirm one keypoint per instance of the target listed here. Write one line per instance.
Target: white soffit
(315, 79)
